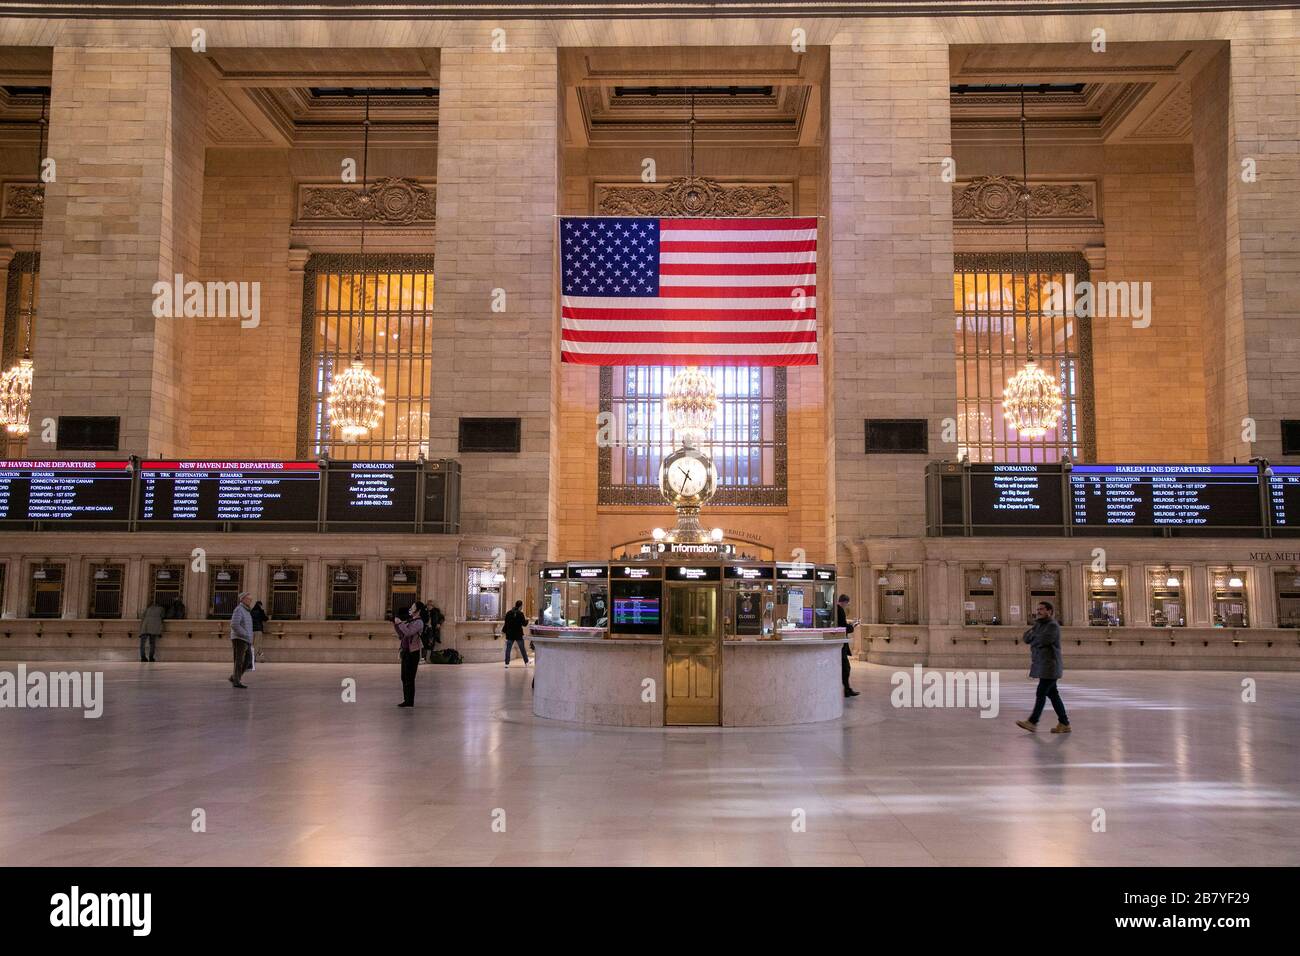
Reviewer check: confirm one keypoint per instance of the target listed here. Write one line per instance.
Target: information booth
(678, 639)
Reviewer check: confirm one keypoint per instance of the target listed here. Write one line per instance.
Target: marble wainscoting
(792, 681)
(598, 681)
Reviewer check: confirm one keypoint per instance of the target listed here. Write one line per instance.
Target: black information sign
(219, 491)
(1183, 498)
(749, 572)
(1284, 500)
(636, 572)
(1024, 499)
(65, 491)
(372, 491)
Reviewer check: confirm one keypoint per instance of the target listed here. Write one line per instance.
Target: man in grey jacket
(1044, 640)
(151, 628)
(241, 636)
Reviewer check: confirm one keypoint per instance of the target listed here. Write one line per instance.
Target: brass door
(692, 655)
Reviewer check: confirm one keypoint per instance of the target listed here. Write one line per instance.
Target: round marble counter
(795, 680)
(594, 680)
(585, 677)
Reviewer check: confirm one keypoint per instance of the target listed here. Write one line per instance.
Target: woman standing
(409, 627)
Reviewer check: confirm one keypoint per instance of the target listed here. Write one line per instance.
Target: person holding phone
(1044, 640)
(409, 628)
(842, 620)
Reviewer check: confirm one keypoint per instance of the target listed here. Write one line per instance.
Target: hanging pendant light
(16, 383)
(1031, 399)
(356, 399)
(691, 404)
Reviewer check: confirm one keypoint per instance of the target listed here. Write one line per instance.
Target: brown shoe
(1061, 729)
(1028, 725)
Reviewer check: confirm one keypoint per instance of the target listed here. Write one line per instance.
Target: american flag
(640, 291)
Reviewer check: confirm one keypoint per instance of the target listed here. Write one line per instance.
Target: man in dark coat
(512, 628)
(1044, 640)
(842, 620)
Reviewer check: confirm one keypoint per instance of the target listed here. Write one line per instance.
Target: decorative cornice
(696, 196)
(999, 200)
(496, 9)
(394, 202)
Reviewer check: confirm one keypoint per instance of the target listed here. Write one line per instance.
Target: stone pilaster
(891, 341)
(497, 141)
(126, 132)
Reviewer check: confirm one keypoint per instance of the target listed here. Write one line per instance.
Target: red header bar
(66, 465)
(229, 466)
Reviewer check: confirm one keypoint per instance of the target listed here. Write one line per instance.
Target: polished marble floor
(287, 773)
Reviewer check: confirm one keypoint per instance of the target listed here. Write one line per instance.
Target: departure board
(218, 491)
(1022, 499)
(1284, 500)
(372, 491)
(65, 491)
(1143, 498)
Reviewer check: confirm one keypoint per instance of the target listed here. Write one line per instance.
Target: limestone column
(891, 341)
(1248, 202)
(124, 211)
(496, 205)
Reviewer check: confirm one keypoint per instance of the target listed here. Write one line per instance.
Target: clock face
(687, 477)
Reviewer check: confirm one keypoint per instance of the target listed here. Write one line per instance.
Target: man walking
(241, 637)
(1044, 640)
(842, 620)
(513, 630)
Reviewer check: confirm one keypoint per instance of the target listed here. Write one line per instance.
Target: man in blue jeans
(1044, 640)
(512, 628)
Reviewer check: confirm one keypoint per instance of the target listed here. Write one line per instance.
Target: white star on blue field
(610, 256)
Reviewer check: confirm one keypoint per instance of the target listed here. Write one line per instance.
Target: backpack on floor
(446, 655)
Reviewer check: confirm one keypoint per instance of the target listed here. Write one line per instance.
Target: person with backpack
(512, 629)
(409, 627)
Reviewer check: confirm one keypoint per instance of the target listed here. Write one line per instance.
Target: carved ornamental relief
(696, 196)
(999, 200)
(391, 202)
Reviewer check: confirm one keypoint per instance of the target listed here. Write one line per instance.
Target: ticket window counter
(748, 602)
(343, 599)
(1287, 586)
(483, 597)
(166, 585)
(981, 604)
(284, 587)
(403, 589)
(636, 602)
(553, 595)
(805, 596)
(45, 596)
(896, 597)
(1106, 598)
(105, 599)
(1166, 591)
(226, 582)
(587, 596)
(1044, 584)
(1229, 603)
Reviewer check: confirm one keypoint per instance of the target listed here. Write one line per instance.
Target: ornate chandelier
(356, 399)
(16, 383)
(1031, 400)
(691, 404)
